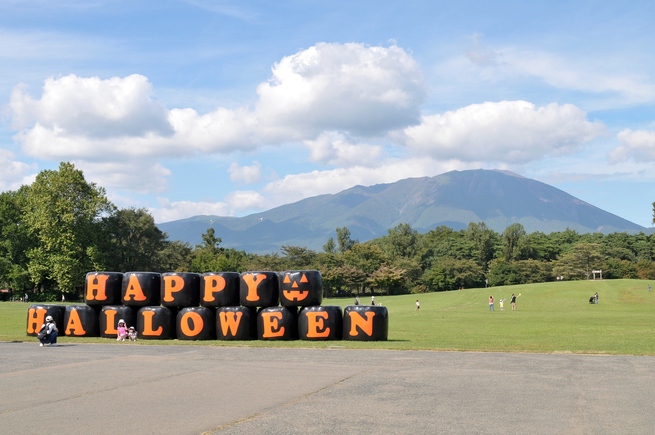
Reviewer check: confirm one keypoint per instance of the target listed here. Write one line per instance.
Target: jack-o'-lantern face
(295, 290)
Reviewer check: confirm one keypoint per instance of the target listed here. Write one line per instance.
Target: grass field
(551, 317)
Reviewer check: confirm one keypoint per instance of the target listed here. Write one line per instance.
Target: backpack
(43, 333)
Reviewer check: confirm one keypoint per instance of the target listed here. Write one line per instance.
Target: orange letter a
(74, 326)
(134, 290)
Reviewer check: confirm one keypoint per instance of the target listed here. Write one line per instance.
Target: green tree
(298, 257)
(330, 247)
(210, 242)
(63, 211)
(386, 278)
(15, 241)
(484, 240)
(344, 240)
(136, 242)
(580, 261)
(403, 241)
(513, 238)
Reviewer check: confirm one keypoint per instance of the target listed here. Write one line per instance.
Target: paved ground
(127, 389)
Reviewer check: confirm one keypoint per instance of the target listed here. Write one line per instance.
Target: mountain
(499, 198)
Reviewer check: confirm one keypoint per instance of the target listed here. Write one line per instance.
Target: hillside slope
(499, 198)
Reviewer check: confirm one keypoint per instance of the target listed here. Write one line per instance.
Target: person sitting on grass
(132, 333)
(122, 330)
(48, 332)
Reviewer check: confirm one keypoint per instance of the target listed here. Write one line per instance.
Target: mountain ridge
(497, 197)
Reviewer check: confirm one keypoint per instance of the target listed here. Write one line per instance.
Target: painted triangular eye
(304, 278)
(286, 279)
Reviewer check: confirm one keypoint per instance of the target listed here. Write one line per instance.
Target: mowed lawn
(551, 317)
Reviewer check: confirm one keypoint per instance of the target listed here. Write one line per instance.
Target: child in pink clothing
(122, 330)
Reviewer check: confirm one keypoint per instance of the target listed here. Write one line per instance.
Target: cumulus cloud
(13, 173)
(245, 174)
(139, 176)
(92, 107)
(100, 123)
(242, 200)
(506, 131)
(352, 87)
(171, 211)
(232, 203)
(638, 145)
(334, 149)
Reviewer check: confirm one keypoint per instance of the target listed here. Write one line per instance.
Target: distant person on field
(648, 288)
(502, 304)
(491, 303)
(596, 296)
(122, 330)
(372, 300)
(356, 300)
(63, 298)
(25, 297)
(418, 305)
(49, 331)
(513, 302)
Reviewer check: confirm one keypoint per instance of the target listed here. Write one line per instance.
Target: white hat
(49, 319)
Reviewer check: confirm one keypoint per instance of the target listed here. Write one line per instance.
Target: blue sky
(228, 108)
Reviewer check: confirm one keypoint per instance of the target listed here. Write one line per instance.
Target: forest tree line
(61, 227)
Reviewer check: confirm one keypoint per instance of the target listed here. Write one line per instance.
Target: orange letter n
(356, 320)
(98, 287)
(253, 281)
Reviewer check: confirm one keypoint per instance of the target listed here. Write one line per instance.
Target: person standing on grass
(648, 288)
(372, 300)
(513, 302)
(596, 296)
(418, 306)
(491, 303)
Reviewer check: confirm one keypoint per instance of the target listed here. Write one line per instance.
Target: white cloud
(638, 145)
(171, 211)
(92, 107)
(13, 173)
(506, 131)
(140, 176)
(613, 78)
(107, 123)
(334, 149)
(232, 203)
(245, 174)
(242, 200)
(351, 87)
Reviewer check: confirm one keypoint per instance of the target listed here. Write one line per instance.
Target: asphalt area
(136, 389)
